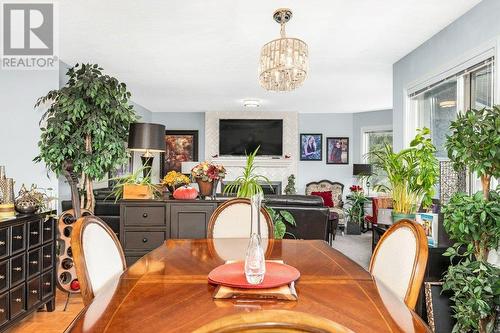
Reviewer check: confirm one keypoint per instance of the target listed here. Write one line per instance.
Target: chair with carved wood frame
(98, 255)
(273, 321)
(232, 220)
(399, 260)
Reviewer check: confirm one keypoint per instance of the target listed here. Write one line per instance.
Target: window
(436, 105)
(374, 139)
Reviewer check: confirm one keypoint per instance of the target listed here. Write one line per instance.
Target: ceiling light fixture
(447, 104)
(283, 61)
(251, 103)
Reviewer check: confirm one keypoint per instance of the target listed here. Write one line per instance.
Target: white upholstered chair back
(399, 260)
(98, 255)
(232, 220)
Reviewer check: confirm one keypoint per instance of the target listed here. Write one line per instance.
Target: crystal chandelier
(283, 61)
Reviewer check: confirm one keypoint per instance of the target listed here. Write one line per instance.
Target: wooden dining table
(167, 290)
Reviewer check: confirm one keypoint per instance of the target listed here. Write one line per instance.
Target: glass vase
(255, 261)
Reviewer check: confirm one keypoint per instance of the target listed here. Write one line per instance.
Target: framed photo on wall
(311, 147)
(337, 150)
(180, 146)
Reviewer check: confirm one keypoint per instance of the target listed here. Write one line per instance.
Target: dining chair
(273, 321)
(399, 260)
(98, 255)
(232, 220)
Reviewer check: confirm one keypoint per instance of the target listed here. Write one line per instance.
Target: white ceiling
(202, 55)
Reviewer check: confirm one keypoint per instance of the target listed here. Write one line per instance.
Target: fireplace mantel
(276, 169)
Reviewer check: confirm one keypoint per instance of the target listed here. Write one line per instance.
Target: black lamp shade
(361, 169)
(146, 137)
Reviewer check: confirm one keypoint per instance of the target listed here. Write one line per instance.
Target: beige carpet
(356, 247)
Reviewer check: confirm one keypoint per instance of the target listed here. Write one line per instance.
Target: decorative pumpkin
(75, 285)
(185, 193)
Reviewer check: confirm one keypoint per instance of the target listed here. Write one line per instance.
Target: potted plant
(207, 175)
(355, 209)
(174, 180)
(249, 184)
(412, 174)
(87, 122)
(290, 186)
(135, 186)
(473, 222)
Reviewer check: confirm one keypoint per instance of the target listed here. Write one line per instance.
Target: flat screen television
(237, 136)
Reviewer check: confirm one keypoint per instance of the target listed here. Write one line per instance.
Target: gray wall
(468, 32)
(19, 129)
(330, 125)
(367, 119)
(184, 121)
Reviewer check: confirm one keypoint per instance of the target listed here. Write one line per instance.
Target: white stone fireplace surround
(275, 168)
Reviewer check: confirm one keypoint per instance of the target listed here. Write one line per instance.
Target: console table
(146, 224)
(27, 266)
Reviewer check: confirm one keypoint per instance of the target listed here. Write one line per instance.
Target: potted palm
(412, 174)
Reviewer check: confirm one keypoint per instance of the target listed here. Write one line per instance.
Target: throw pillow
(327, 197)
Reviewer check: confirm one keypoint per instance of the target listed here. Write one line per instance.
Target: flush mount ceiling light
(283, 61)
(251, 103)
(447, 104)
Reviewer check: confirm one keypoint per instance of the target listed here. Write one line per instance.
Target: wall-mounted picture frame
(337, 150)
(311, 147)
(180, 146)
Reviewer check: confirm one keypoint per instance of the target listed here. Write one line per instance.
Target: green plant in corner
(411, 172)
(473, 222)
(87, 122)
(290, 186)
(280, 218)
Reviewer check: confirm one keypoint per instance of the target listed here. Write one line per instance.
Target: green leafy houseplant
(473, 222)
(280, 218)
(355, 204)
(87, 122)
(412, 173)
(135, 178)
(249, 184)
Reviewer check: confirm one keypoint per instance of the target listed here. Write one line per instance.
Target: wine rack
(67, 279)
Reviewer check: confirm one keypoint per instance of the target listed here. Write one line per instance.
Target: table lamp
(363, 170)
(147, 138)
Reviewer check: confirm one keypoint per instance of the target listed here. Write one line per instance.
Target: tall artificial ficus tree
(87, 122)
(473, 222)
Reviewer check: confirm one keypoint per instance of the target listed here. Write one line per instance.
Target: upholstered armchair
(336, 204)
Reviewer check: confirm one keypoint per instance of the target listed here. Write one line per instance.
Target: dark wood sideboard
(146, 224)
(27, 266)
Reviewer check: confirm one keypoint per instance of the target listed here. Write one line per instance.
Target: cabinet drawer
(144, 215)
(17, 269)
(4, 242)
(17, 238)
(34, 233)
(4, 308)
(33, 295)
(47, 284)
(47, 256)
(4, 275)
(17, 301)
(34, 262)
(48, 229)
(143, 240)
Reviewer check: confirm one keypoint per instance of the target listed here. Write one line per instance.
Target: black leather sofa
(309, 213)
